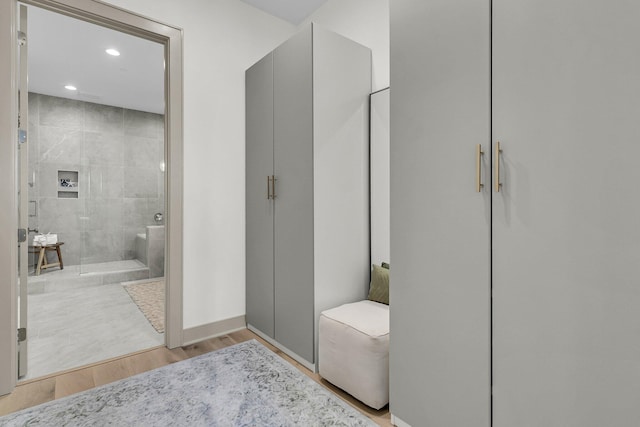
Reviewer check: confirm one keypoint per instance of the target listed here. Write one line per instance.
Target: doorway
(171, 167)
(95, 187)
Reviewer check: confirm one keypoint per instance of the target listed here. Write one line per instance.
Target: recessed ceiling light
(112, 52)
(70, 87)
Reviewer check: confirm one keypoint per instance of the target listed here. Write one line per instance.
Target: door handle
(268, 187)
(497, 182)
(479, 154)
(273, 186)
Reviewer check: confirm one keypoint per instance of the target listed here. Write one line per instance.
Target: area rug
(149, 297)
(242, 385)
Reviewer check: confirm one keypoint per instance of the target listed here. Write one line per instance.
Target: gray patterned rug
(242, 385)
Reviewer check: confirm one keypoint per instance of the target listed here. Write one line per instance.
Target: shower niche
(67, 184)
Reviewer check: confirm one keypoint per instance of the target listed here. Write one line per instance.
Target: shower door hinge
(22, 135)
(22, 38)
(22, 334)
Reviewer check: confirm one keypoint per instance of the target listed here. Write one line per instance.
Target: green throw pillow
(379, 289)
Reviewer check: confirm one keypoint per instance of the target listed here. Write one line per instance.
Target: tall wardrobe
(515, 213)
(307, 204)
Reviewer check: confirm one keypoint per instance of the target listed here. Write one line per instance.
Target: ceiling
(64, 50)
(294, 11)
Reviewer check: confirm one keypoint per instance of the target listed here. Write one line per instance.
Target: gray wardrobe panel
(293, 153)
(566, 224)
(259, 209)
(440, 241)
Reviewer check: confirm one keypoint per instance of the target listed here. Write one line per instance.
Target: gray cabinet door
(440, 225)
(293, 148)
(259, 209)
(566, 229)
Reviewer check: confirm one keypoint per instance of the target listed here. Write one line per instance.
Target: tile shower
(117, 157)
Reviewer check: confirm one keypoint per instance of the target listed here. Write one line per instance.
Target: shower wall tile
(155, 205)
(117, 153)
(105, 182)
(34, 109)
(142, 152)
(140, 183)
(101, 246)
(34, 224)
(103, 118)
(60, 145)
(102, 148)
(72, 248)
(104, 214)
(140, 123)
(33, 143)
(32, 134)
(161, 191)
(60, 215)
(60, 112)
(155, 251)
(129, 241)
(47, 178)
(46, 218)
(139, 212)
(136, 213)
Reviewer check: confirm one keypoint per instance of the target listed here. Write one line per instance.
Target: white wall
(222, 38)
(367, 22)
(364, 21)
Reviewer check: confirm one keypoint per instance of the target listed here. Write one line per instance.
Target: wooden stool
(42, 257)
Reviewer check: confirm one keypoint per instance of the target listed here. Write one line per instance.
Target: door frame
(127, 22)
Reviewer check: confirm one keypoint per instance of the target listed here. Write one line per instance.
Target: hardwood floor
(34, 392)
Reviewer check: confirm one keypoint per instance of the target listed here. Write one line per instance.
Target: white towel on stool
(45, 239)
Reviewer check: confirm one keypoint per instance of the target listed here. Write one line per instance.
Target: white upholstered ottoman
(354, 350)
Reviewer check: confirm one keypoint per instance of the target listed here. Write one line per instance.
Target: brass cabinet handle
(273, 186)
(268, 187)
(497, 182)
(479, 154)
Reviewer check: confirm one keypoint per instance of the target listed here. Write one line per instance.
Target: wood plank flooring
(34, 392)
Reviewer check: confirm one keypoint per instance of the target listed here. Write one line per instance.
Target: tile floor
(86, 322)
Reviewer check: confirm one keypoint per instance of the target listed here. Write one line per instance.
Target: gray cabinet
(440, 226)
(516, 307)
(307, 186)
(259, 208)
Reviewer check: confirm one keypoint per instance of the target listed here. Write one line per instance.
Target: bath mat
(149, 297)
(242, 385)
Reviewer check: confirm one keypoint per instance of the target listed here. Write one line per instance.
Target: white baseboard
(212, 330)
(398, 422)
(301, 360)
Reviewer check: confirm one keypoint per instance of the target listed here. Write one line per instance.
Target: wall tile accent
(117, 153)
